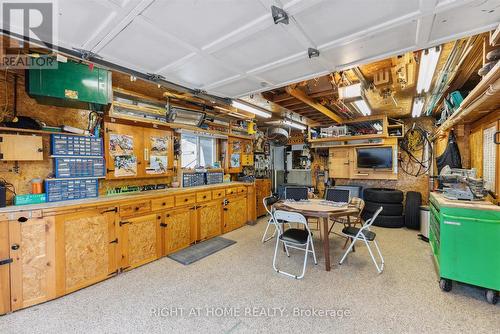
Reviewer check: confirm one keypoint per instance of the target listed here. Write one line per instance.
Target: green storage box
(29, 199)
(71, 84)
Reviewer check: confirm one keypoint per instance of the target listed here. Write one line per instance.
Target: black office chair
(337, 195)
(296, 193)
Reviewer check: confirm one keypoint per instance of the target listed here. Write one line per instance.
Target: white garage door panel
(236, 88)
(264, 47)
(392, 40)
(199, 71)
(294, 71)
(331, 20)
(463, 19)
(201, 22)
(144, 46)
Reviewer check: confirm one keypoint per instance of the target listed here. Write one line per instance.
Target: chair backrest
(268, 202)
(369, 222)
(358, 203)
(296, 193)
(337, 195)
(282, 216)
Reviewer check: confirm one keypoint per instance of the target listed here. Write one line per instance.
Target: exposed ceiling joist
(298, 94)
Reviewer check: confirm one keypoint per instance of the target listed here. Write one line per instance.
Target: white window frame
(198, 148)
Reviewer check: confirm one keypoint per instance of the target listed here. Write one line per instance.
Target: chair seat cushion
(353, 231)
(295, 235)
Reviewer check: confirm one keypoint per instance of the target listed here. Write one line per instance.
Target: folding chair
(293, 238)
(268, 202)
(359, 204)
(364, 234)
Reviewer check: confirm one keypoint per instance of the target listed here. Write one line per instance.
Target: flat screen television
(374, 157)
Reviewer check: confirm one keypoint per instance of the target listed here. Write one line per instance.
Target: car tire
(412, 210)
(389, 209)
(383, 195)
(385, 221)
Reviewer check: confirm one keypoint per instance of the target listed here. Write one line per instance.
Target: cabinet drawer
(135, 208)
(185, 199)
(231, 191)
(162, 203)
(241, 190)
(203, 196)
(216, 194)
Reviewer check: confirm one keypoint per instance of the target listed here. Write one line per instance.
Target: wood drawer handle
(168, 215)
(15, 246)
(163, 203)
(22, 219)
(185, 199)
(136, 208)
(204, 196)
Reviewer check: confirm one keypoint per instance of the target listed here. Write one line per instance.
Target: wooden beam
(298, 94)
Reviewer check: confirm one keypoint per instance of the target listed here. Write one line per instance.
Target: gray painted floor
(239, 281)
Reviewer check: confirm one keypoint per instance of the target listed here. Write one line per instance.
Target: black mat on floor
(201, 250)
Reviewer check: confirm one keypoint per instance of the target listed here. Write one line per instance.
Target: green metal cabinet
(465, 242)
(71, 84)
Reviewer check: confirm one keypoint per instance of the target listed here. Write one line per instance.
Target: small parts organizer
(78, 163)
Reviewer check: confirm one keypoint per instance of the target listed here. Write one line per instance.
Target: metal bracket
(312, 53)
(155, 77)
(124, 223)
(163, 225)
(279, 15)
(114, 241)
(110, 210)
(109, 170)
(6, 261)
(86, 54)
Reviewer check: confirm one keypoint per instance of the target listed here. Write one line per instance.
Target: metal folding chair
(293, 238)
(367, 236)
(268, 202)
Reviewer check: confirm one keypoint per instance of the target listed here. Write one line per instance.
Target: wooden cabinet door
(177, 229)
(251, 204)
(339, 163)
(158, 152)
(86, 249)
(234, 152)
(210, 220)
(140, 240)
(33, 270)
(4, 268)
(235, 213)
(124, 149)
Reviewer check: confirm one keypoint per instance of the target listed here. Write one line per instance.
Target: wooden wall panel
(210, 220)
(476, 152)
(4, 269)
(86, 250)
(177, 234)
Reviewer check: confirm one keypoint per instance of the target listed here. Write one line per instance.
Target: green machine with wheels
(465, 241)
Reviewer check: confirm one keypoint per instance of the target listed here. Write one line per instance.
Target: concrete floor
(236, 291)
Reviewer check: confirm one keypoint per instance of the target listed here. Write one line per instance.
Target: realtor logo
(30, 25)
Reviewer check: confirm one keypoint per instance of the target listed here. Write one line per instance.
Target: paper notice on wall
(122, 145)
(125, 165)
(489, 158)
(159, 145)
(235, 160)
(157, 165)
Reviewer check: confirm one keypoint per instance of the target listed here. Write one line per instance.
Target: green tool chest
(465, 242)
(71, 84)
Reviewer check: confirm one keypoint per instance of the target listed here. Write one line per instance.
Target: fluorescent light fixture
(349, 92)
(363, 107)
(254, 110)
(377, 126)
(428, 63)
(294, 125)
(418, 105)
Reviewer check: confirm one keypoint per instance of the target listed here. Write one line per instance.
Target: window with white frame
(197, 151)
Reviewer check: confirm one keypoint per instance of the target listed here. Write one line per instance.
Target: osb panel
(210, 221)
(237, 213)
(178, 230)
(86, 249)
(34, 260)
(142, 240)
(476, 144)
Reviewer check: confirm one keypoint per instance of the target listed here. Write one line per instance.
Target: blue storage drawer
(215, 177)
(68, 145)
(193, 179)
(79, 167)
(63, 190)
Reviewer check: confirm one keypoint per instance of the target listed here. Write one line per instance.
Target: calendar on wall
(489, 158)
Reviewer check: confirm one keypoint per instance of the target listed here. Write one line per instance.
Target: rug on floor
(201, 250)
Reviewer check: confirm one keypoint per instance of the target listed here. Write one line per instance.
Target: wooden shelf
(39, 131)
(348, 138)
(481, 100)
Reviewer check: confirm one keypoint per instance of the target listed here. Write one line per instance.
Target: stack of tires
(392, 202)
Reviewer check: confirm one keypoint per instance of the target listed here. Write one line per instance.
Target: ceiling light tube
(294, 125)
(349, 92)
(428, 64)
(252, 109)
(418, 105)
(363, 107)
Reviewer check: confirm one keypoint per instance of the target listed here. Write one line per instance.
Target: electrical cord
(9, 186)
(415, 144)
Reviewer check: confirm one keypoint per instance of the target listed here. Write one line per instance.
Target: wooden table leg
(326, 244)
